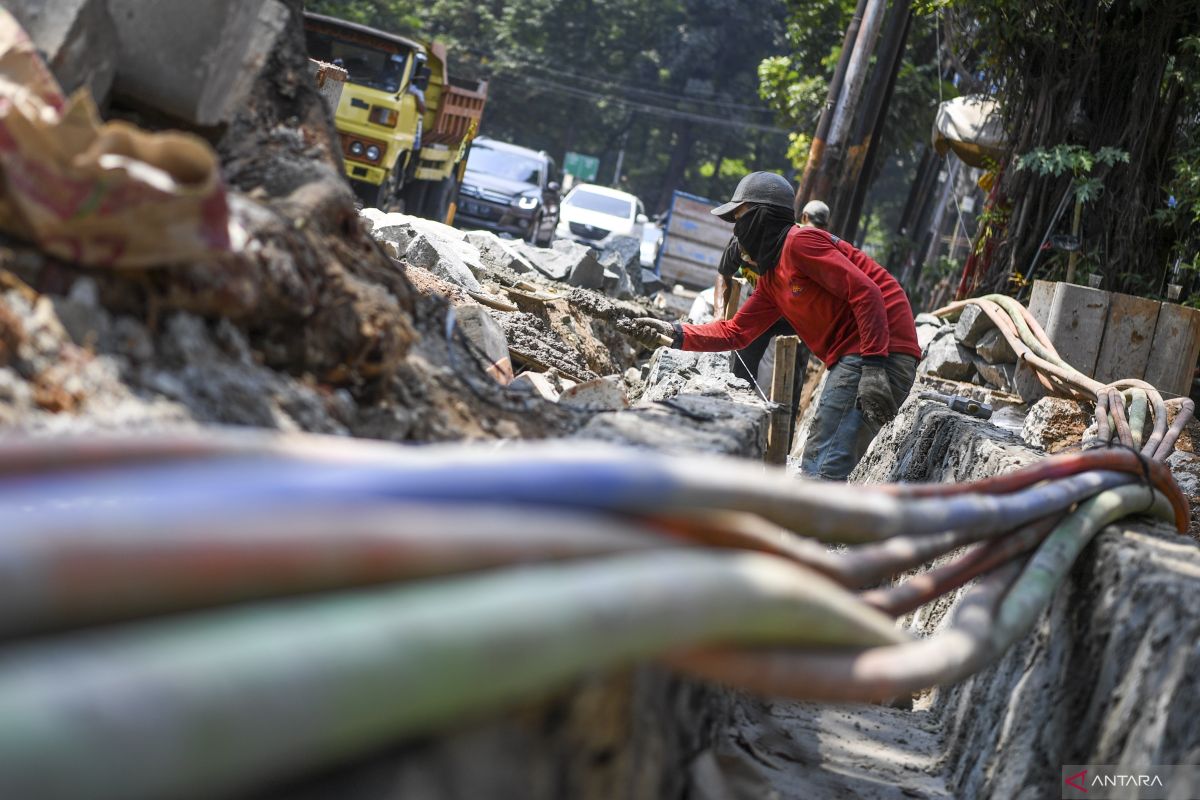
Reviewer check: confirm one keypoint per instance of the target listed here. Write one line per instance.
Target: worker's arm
(750, 322)
(817, 258)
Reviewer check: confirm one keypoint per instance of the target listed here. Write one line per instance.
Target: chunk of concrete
(1000, 376)
(488, 342)
(622, 255)
(601, 394)
(1055, 424)
(948, 359)
(993, 348)
(442, 261)
(972, 325)
(194, 61)
(80, 313)
(552, 264)
(535, 383)
(495, 253)
(928, 334)
(77, 37)
(929, 319)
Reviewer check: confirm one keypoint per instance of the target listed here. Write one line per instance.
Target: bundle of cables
(227, 610)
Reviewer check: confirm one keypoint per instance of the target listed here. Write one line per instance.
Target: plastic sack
(94, 193)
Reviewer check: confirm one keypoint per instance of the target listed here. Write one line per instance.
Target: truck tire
(439, 198)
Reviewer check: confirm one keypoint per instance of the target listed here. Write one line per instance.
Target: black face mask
(761, 232)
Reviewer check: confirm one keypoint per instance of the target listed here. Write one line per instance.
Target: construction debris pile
(972, 351)
(232, 610)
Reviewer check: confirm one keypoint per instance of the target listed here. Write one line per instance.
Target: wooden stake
(779, 435)
(734, 299)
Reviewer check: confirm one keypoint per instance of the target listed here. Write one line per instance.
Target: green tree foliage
(1096, 96)
(674, 82)
(796, 85)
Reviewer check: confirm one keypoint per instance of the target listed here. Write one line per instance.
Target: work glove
(655, 333)
(875, 395)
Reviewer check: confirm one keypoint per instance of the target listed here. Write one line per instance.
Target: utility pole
(616, 181)
(860, 157)
(816, 150)
(827, 171)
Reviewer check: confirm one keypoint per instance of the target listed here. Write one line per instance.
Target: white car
(593, 214)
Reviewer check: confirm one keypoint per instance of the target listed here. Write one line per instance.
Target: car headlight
(528, 201)
(373, 153)
(356, 148)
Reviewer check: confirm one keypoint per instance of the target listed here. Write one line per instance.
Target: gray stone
(929, 319)
(552, 264)
(77, 37)
(1055, 423)
(602, 394)
(948, 359)
(972, 325)
(442, 260)
(130, 338)
(535, 383)
(489, 345)
(622, 255)
(194, 61)
(928, 334)
(1001, 376)
(81, 315)
(587, 273)
(995, 349)
(497, 253)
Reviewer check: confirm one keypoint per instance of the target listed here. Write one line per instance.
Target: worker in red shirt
(848, 310)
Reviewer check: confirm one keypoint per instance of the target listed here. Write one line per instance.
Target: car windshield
(366, 66)
(513, 166)
(600, 203)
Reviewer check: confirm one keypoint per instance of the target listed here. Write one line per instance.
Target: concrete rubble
(971, 350)
(339, 321)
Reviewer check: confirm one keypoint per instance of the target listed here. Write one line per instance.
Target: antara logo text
(1120, 780)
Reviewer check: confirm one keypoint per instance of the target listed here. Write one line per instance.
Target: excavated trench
(314, 328)
(1108, 675)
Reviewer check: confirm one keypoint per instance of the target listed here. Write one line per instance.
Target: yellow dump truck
(405, 125)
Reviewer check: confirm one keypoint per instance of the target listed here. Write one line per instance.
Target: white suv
(593, 214)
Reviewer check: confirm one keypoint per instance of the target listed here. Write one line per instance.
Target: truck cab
(380, 115)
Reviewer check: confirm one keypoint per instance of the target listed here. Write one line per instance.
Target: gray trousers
(839, 434)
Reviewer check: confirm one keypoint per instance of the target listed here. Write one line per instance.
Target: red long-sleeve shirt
(837, 299)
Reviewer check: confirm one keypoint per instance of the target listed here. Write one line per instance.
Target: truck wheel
(440, 197)
(534, 227)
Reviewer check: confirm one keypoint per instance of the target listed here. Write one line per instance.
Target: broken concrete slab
(496, 253)
(1171, 366)
(566, 261)
(1001, 376)
(193, 61)
(972, 325)
(622, 255)
(928, 334)
(442, 261)
(685, 424)
(948, 359)
(929, 319)
(488, 342)
(548, 262)
(993, 348)
(78, 39)
(1055, 423)
(602, 394)
(536, 383)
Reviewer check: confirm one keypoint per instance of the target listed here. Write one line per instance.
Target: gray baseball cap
(764, 188)
(817, 212)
